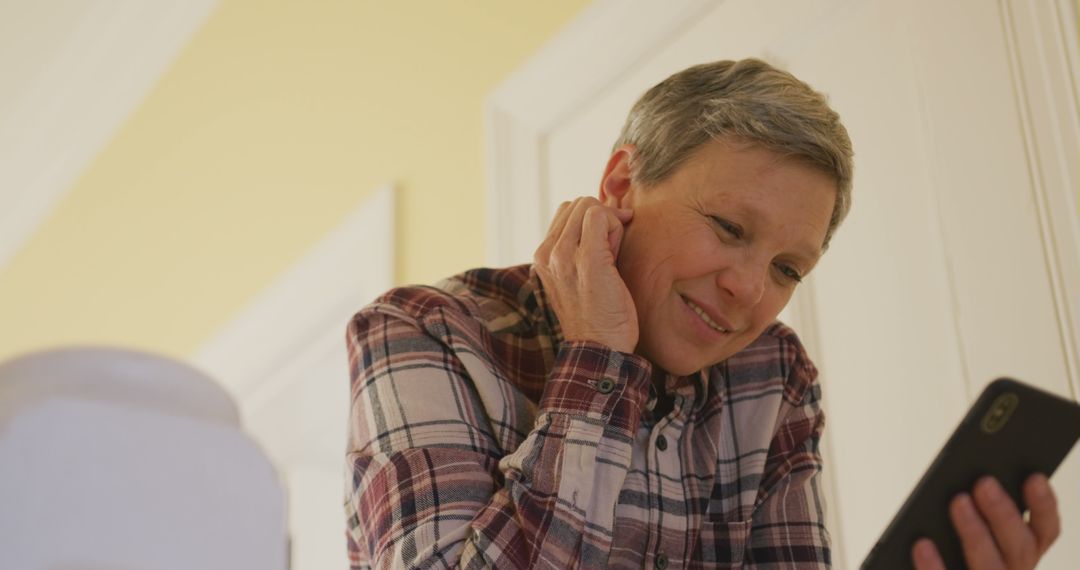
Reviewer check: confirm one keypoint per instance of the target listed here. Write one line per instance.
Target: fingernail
(1042, 485)
(965, 506)
(924, 551)
(991, 489)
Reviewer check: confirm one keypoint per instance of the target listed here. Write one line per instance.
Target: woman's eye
(728, 227)
(789, 272)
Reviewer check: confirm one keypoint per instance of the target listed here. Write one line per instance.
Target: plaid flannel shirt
(479, 438)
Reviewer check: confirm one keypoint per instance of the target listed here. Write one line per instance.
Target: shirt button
(661, 443)
(605, 386)
(661, 561)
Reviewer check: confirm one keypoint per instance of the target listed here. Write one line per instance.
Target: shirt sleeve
(788, 526)
(429, 486)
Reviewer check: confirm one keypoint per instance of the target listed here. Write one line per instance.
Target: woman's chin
(675, 362)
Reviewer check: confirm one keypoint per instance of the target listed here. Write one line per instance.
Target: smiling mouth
(704, 316)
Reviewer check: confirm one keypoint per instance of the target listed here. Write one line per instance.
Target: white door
(960, 261)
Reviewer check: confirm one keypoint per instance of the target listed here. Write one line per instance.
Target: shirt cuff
(598, 382)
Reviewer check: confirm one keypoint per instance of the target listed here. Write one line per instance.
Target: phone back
(1012, 431)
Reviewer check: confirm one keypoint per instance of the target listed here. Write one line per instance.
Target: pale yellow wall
(273, 124)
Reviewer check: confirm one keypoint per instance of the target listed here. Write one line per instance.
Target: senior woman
(629, 400)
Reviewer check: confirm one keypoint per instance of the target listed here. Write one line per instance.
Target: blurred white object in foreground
(118, 459)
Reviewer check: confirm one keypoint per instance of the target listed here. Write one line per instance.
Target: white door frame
(597, 48)
(1043, 40)
(283, 357)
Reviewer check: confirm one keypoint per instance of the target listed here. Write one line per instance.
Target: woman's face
(714, 252)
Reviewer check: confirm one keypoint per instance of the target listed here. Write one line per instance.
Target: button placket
(669, 466)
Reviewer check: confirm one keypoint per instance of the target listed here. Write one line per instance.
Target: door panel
(941, 279)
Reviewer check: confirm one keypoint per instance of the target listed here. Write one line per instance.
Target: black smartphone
(1012, 431)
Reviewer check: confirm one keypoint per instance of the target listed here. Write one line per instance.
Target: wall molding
(584, 59)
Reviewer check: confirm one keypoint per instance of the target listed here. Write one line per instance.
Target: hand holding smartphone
(1012, 431)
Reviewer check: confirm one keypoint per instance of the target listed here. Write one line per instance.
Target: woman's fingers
(615, 234)
(576, 263)
(1045, 521)
(925, 555)
(570, 236)
(623, 214)
(1014, 539)
(992, 531)
(601, 234)
(562, 214)
(565, 231)
(980, 551)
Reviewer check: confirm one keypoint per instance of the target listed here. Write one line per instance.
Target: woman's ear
(617, 182)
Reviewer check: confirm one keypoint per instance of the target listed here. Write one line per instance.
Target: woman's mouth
(704, 316)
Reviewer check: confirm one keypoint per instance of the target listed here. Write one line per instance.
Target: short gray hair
(747, 100)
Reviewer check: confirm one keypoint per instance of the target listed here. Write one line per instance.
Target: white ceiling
(71, 72)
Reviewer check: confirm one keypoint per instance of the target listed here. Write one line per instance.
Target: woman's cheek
(706, 247)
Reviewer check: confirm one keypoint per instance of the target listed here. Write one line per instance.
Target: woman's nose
(744, 282)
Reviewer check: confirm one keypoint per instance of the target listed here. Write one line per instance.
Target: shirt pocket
(722, 544)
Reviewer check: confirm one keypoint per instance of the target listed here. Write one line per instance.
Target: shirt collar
(692, 386)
